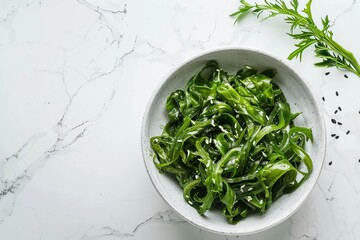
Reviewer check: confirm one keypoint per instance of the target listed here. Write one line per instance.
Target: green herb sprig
(326, 48)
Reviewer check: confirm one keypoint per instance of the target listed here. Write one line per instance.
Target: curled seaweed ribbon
(231, 142)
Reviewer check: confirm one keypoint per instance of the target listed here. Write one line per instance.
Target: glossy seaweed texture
(231, 142)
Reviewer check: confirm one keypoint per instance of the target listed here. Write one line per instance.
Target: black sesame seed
(337, 93)
(339, 123)
(327, 73)
(337, 137)
(347, 132)
(340, 108)
(323, 99)
(346, 76)
(333, 121)
(359, 160)
(333, 135)
(335, 111)
(330, 163)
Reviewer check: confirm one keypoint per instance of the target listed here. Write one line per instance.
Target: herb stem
(349, 56)
(326, 48)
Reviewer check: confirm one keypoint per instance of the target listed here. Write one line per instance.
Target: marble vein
(118, 62)
(347, 10)
(62, 75)
(18, 152)
(14, 187)
(160, 217)
(12, 12)
(63, 141)
(116, 34)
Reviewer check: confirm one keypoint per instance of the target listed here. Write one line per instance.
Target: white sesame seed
(210, 97)
(249, 198)
(223, 129)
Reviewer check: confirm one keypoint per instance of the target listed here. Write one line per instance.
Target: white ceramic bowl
(298, 95)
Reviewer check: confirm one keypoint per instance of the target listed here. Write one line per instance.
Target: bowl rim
(190, 59)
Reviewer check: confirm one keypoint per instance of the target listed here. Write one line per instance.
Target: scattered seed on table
(347, 132)
(330, 163)
(339, 108)
(337, 137)
(327, 73)
(335, 111)
(323, 99)
(359, 160)
(333, 121)
(339, 123)
(337, 93)
(333, 135)
(346, 76)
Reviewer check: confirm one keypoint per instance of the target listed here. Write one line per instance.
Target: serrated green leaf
(301, 47)
(295, 4)
(326, 48)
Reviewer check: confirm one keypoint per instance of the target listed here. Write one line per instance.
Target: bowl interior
(300, 99)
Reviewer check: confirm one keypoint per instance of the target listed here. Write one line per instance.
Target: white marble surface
(75, 76)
